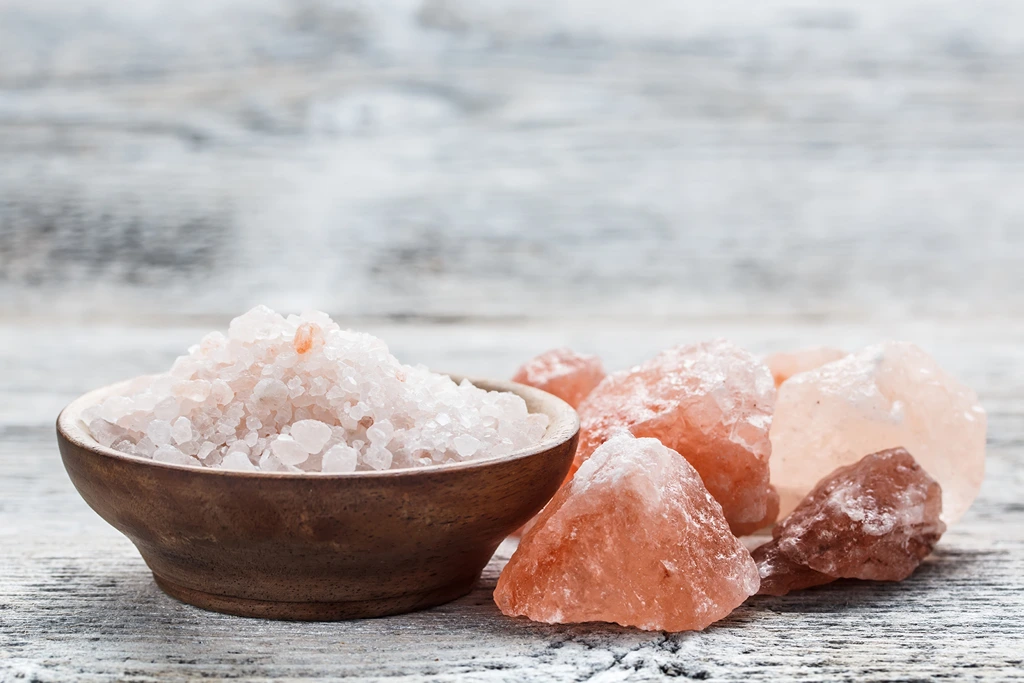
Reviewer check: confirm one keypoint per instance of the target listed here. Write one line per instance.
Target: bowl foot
(315, 611)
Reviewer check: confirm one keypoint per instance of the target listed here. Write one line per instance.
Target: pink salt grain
(712, 403)
(633, 539)
(568, 375)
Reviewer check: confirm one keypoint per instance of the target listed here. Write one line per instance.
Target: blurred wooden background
(476, 182)
(447, 159)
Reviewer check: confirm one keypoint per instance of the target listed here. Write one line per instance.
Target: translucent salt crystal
(288, 451)
(712, 403)
(785, 365)
(340, 458)
(170, 454)
(377, 458)
(221, 392)
(105, 432)
(181, 430)
(311, 435)
(568, 375)
(159, 432)
(237, 460)
(466, 446)
(167, 409)
(381, 432)
(205, 450)
(885, 396)
(270, 393)
(634, 539)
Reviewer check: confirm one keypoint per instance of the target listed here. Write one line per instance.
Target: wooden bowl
(319, 546)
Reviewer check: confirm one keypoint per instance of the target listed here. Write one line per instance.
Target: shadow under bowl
(319, 546)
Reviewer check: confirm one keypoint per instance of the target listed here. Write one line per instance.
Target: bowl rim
(564, 426)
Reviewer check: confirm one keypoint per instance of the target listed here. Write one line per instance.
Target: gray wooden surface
(76, 601)
(477, 182)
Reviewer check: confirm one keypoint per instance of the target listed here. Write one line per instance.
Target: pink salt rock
(568, 375)
(785, 365)
(876, 519)
(712, 403)
(885, 396)
(633, 539)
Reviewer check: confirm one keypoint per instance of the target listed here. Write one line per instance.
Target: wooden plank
(424, 159)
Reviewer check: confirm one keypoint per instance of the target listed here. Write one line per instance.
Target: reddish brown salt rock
(884, 396)
(712, 403)
(634, 539)
(876, 519)
(785, 365)
(568, 375)
(781, 575)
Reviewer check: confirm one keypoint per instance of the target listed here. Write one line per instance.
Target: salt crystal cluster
(635, 539)
(712, 403)
(785, 365)
(298, 394)
(889, 395)
(568, 375)
(876, 519)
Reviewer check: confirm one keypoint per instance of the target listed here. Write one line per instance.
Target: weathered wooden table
(76, 601)
(477, 182)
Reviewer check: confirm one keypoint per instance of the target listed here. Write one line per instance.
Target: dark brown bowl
(319, 546)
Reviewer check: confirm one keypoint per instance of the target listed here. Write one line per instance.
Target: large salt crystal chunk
(568, 375)
(786, 364)
(712, 403)
(885, 396)
(876, 519)
(634, 539)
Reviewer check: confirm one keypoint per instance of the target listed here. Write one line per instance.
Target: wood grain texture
(423, 158)
(76, 601)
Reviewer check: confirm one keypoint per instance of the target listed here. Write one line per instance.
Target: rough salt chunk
(712, 403)
(785, 365)
(634, 539)
(876, 519)
(885, 396)
(568, 375)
